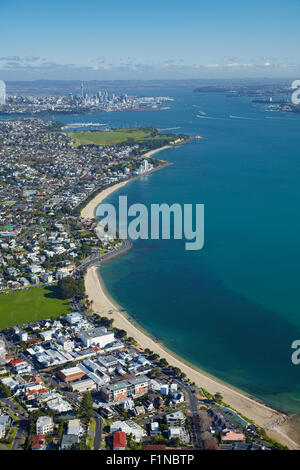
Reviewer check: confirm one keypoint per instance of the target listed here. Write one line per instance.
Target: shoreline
(88, 212)
(258, 412)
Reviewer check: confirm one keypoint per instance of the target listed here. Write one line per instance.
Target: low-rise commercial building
(96, 337)
(126, 388)
(71, 374)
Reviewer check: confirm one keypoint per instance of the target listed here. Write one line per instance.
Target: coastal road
(96, 260)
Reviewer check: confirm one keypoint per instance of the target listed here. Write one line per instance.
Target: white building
(83, 386)
(129, 427)
(46, 278)
(75, 428)
(145, 166)
(47, 335)
(34, 268)
(96, 337)
(66, 343)
(164, 390)
(23, 335)
(74, 317)
(44, 425)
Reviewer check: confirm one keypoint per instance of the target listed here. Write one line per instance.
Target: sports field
(115, 136)
(31, 305)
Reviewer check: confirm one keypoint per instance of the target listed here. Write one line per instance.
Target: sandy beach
(88, 211)
(258, 412)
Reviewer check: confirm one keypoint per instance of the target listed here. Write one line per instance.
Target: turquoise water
(232, 308)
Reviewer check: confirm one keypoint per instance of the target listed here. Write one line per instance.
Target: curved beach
(88, 212)
(258, 412)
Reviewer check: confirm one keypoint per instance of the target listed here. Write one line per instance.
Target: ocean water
(232, 308)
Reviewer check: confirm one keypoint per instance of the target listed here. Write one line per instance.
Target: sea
(232, 308)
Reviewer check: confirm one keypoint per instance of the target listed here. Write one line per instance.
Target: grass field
(114, 136)
(31, 305)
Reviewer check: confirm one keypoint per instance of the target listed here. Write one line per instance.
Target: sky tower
(81, 90)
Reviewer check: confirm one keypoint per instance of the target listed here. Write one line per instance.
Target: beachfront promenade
(274, 422)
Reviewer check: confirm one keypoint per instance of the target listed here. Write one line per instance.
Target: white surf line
(169, 129)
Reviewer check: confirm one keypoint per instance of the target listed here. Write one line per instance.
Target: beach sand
(88, 212)
(261, 414)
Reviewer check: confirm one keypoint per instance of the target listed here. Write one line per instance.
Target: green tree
(80, 446)
(218, 397)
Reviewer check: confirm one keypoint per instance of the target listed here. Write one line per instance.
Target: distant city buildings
(82, 102)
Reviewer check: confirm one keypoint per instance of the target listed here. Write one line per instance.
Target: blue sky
(94, 39)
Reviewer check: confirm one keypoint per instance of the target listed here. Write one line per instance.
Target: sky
(165, 39)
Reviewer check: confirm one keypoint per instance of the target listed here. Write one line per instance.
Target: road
(98, 432)
(193, 405)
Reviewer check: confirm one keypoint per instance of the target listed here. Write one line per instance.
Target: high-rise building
(2, 92)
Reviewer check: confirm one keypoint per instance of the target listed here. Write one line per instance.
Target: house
(46, 278)
(128, 404)
(164, 390)
(23, 335)
(39, 442)
(231, 436)
(175, 419)
(178, 432)
(67, 441)
(5, 422)
(34, 268)
(177, 398)
(139, 410)
(44, 425)
(47, 335)
(75, 428)
(129, 427)
(119, 440)
(148, 405)
(106, 412)
(154, 428)
(66, 343)
(174, 432)
(74, 317)
(20, 367)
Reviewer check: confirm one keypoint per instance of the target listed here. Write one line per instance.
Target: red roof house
(119, 440)
(39, 442)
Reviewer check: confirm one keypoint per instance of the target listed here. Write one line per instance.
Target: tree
(121, 333)
(86, 408)
(156, 372)
(69, 287)
(80, 446)
(163, 362)
(218, 397)
(5, 391)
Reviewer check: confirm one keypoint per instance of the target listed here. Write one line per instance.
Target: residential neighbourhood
(44, 180)
(70, 380)
(103, 392)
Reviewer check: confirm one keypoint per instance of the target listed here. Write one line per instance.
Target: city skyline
(91, 41)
